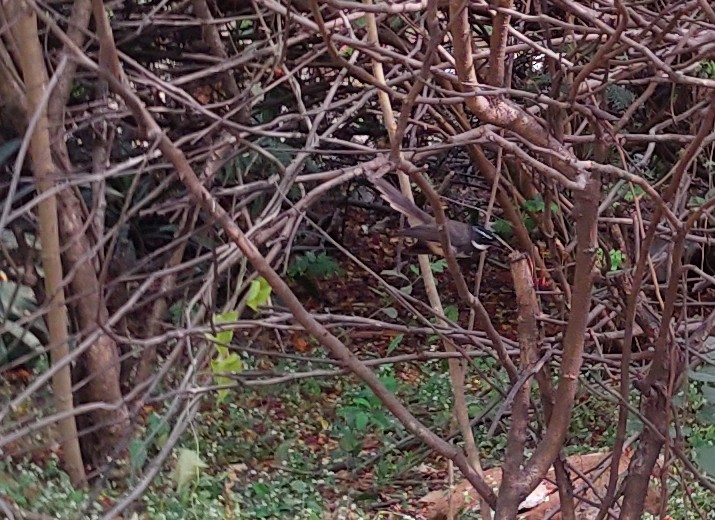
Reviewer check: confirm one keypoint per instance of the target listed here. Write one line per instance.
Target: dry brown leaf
(542, 500)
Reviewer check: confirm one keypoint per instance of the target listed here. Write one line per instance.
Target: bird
(465, 239)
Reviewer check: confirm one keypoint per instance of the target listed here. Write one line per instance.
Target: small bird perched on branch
(465, 239)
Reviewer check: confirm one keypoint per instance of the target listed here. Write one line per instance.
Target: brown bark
(497, 44)
(79, 21)
(101, 359)
(585, 214)
(528, 333)
(35, 78)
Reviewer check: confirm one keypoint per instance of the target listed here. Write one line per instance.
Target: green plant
(502, 227)
(7, 149)
(702, 433)
(633, 192)
(313, 266)
(363, 411)
(205, 499)
(45, 490)
(434, 392)
(258, 293)
(280, 495)
(392, 465)
(707, 69)
(696, 201)
(394, 343)
(537, 82)
(406, 289)
(156, 433)
(619, 97)
(21, 337)
(244, 28)
(188, 467)
(535, 206)
(451, 312)
(225, 362)
(437, 266)
(616, 257)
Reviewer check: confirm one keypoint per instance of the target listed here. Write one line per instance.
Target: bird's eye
(487, 235)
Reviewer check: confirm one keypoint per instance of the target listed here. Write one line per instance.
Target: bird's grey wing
(424, 232)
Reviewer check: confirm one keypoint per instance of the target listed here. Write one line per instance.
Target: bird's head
(482, 239)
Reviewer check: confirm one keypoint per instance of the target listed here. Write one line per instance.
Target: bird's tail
(399, 202)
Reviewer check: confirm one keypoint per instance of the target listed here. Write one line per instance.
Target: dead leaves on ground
(545, 497)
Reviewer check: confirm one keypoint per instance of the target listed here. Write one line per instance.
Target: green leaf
(282, 452)
(394, 343)
(253, 291)
(187, 468)
(439, 266)
(26, 339)
(530, 223)
(314, 266)
(619, 97)
(633, 193)
(260, 489)
(383, 420)
(535, 205)
(696, 201)
(16, 302)
(231, 364)
(137, 454)
(706, 414)
(705, 457)
(389, 382)
(223, 337)
(391, 312)
(258, 293)
(176, 312)
(709, 393)
(396, 23)
(349, 442)
(451, 312)
(225, 362)
(617, 259)
(702, 375)
(407, 289)
(634, 424)
(361, 401)
(158, 428)
(707, 69)
(299, 486)
(222, 394)
(361, 420)
(8, 148)
(502, 227)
